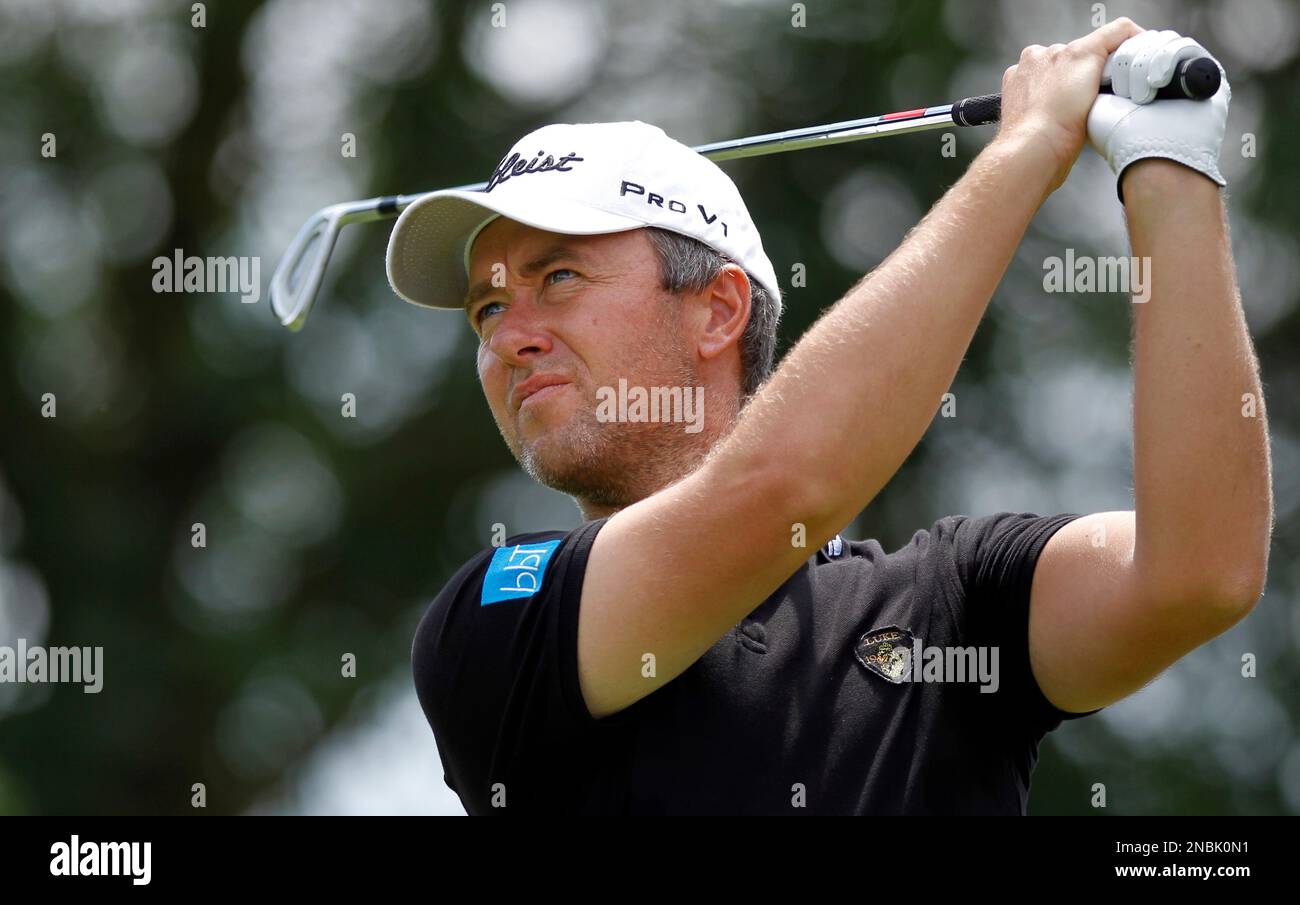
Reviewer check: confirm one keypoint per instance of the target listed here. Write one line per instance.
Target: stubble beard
(614, 464)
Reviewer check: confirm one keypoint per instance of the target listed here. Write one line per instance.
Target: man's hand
(1047, 95)
(1125, 127)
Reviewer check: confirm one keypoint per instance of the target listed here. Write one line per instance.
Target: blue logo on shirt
(516, 571)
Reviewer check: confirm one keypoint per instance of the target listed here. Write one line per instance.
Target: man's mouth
(544, 393)
(539, 386)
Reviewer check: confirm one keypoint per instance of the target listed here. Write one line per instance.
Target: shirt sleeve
(994, 558)
(496, 672)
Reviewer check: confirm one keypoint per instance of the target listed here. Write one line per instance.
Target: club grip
(1193, 80)
(978, 111)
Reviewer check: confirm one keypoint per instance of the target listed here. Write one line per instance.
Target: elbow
(1204, 604)
(1227, 598)
(1214, 584)
(1242, 584)
(1239, 595)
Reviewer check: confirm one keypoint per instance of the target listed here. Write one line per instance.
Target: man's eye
(482, 312)
(485, 309)
(559, 270)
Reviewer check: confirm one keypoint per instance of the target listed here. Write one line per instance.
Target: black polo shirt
(815, 703)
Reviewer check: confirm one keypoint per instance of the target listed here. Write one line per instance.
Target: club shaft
(918, 120)
(1196, 78)
(834, 133)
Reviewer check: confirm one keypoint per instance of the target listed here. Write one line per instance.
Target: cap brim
(426, 259)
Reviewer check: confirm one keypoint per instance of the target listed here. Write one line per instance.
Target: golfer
(706, 642)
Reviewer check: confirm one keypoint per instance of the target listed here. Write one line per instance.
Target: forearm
(1201, 461)
(854, 396)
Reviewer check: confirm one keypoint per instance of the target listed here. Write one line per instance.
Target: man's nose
(520, 333)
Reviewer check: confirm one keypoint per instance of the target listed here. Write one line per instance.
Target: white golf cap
(577, 179)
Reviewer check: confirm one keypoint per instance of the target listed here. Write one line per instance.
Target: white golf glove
(1127, 126)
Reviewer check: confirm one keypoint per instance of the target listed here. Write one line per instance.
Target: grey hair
(686, 263)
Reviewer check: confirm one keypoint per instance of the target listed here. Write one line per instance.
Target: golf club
(298, 276)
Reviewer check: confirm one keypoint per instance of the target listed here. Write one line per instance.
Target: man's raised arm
(1191, 559)
(1204, 500)
(670, 574)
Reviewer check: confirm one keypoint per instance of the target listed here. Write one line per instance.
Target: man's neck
(676, 467)
(592, 511)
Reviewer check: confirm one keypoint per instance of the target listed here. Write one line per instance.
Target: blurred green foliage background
(328, 535)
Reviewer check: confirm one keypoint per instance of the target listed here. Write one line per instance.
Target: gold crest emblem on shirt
(887, 652)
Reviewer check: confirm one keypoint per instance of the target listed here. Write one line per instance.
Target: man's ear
(726, 304)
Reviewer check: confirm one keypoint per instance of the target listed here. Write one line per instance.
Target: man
(681, 652)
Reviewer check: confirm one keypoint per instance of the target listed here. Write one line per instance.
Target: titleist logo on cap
(513, 165)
